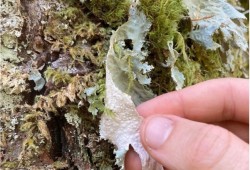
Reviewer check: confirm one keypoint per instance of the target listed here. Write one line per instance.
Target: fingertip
(147, 108)
(209, 101)
(155, 131)
(171, 139)
(132, 160)
(141, 109)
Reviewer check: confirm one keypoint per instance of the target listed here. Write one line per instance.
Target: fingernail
(157, 131)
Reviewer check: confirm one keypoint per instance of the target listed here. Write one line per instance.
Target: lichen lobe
(122, 128)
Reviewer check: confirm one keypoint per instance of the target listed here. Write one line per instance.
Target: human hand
(204, 126)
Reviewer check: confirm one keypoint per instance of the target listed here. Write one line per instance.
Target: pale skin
(205, 126)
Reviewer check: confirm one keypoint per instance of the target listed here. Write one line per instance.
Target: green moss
(210, 61)
(24, 136)
(71, 13)
(245, 4)
(161, 80)
(61, 26)
(164, 15)
(194, 61)
(9, 164)
(191, 70)
(60, 165)
(71, 31)
(113, 12)
(71, 2)
(82, 54)
(84, 35)
(241, 65)
(86, 29)
(36, 130)
(57, 76)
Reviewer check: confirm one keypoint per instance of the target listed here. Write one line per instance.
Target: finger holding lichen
(172, 54)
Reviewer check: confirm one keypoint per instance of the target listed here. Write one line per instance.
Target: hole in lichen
(128, 44)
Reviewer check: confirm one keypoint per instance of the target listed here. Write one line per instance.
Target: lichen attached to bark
(52, 66)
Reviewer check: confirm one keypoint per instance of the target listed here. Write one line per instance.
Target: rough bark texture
(40, 137)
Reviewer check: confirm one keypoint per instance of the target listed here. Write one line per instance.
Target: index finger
(210, 101)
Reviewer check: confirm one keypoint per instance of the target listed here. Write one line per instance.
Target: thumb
(183, 144)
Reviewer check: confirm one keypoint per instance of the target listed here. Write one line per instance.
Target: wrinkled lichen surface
(52, 69)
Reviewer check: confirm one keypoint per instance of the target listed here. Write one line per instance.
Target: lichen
(211, 17)
(72, 117)
(9, 40)
(191, 56)
(178, 58)
(7, 54)
(39, 81)
(11, 19)
(12, 80)
(53, 70)
(122, 127)
(8, 101)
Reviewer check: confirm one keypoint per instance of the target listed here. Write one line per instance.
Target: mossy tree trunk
(52, 76)
(43, 126)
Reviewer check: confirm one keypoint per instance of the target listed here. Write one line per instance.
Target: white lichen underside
(122, 128)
